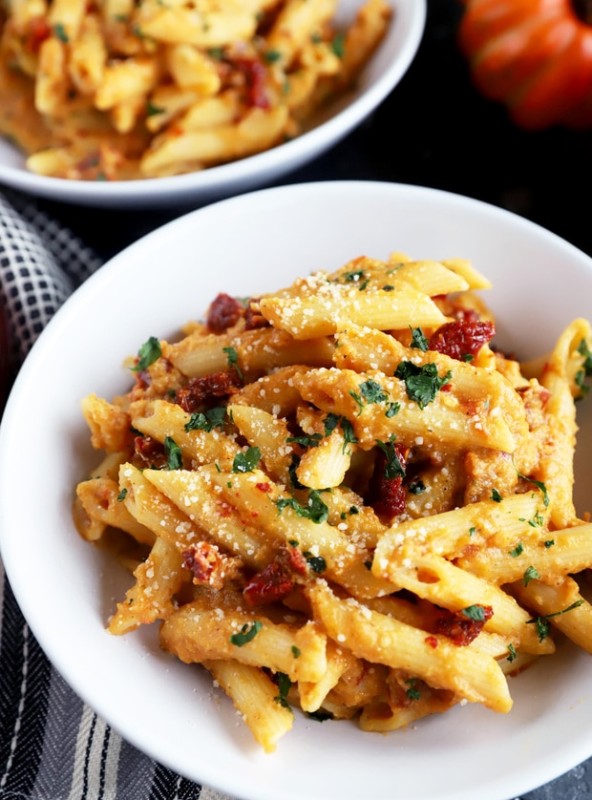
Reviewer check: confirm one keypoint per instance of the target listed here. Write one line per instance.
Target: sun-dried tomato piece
(38, 30)
(460, 627)
(208, 566)
(277, 579)
(462, 338)
(255, 76)
(254, 319)
(388, 495)
(150, 451)
(206, 388)
(224, 312)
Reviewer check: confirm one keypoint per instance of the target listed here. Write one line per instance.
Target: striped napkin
(52, 745)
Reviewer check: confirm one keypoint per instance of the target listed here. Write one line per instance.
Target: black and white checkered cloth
(52, 745)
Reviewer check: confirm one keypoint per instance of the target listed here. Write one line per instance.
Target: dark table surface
(433, 130)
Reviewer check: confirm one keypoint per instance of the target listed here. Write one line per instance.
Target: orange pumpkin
(533, 55)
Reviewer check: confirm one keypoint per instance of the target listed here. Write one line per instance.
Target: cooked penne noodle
(336, 504)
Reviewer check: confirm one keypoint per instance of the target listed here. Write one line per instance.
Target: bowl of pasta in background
(266, 143)
(69, 589)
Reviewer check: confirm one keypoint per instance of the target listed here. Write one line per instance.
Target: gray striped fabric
(52, 745)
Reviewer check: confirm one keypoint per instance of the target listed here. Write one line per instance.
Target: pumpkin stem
(583, 10)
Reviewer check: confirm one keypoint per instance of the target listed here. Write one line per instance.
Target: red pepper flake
(461, 627)
(263, 487)
(431, 641)
(462, 339)
(223, 313)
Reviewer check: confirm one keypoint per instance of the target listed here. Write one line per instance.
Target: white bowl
(67, 590)
(378, 79)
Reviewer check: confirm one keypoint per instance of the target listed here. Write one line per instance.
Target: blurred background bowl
(380, 76)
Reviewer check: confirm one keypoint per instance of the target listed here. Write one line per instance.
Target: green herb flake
(472, 531)
(311, 440)
(271, 56)
(206, 420)
(173, 453)
(349, 436)
(152, 110)
(388, 287)
(316, 563)
(394, 468)
(392, 410)
(418, 339)
(475, 612)
(542, 623)
(232, 359)
(422, 384)
(412, 692)
(314, 509)
(217, 53)
(148, 353)
(60, 32)
(537, 521)
(122, 494)
(338, 45)
(246, 634)
(246, 461)
(331, 422)
(530, 574)
(517, 551)
(586, 371)
(549, 543)
(372, 392)
(417, 487)
(296, 652)
(359, 401)
(540, 485)
(354, 276)
(512, 654)
(284, 685)
(496, 496)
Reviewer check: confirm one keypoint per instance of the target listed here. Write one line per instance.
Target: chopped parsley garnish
(246, 634)
(206, 420)
(517, 551)
(542, 623)
(586, 371)
(512, 654)
(296, 652)
(475, 612)
(152, 110)
(284, 685)
(418, 340)
(271, 56)
(331, 422)
(392, 409)
(314, 509)
(388, 287)
(537, 521)
(316, 563)
(422, 384)
(349, 437)
(173, 453)
(311, 440)
(217, 53)
(232, 359)
(412, 692)
(354, 276)
(246, 461)
(540, 485)
(394, 468)
(372, 392)
(294, 464)
(148, 353)
(122, 494)
(338, 45)
(60, 32)
(549, 543)
(358, 399)
(472, 531)
(496, 496)
(530, 574)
